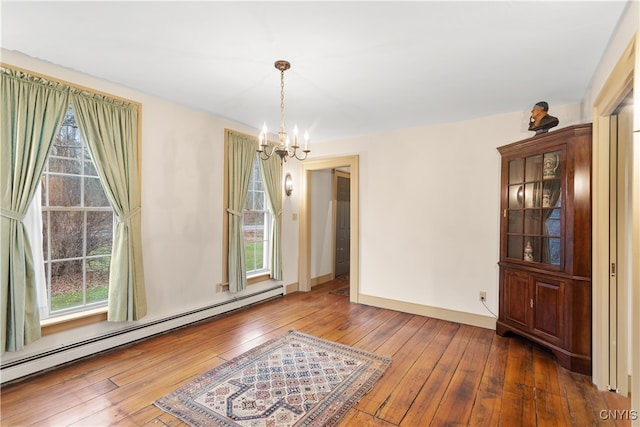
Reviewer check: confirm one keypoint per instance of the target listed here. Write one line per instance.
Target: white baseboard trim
(34, 364)
(291, 288)
(319, 280)
(487, 322)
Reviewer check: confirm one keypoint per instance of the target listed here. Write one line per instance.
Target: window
(78, 224)
(257, 222)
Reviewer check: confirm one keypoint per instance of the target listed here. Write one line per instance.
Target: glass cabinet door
(534, 208)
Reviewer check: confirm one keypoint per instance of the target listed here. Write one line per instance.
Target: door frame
(304, 260)
(620, 83)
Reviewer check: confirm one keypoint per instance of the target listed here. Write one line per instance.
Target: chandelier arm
(306, 152)
(264, 149)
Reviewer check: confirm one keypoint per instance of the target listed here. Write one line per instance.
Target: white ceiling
(357, 67)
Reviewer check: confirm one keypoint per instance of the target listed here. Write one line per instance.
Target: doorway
(304, 260)
(619, 85)
(620, 244)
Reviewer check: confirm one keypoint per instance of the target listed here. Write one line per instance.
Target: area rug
(341, 291)
(293, 380)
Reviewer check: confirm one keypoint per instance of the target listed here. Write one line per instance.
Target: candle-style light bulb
(295, 136)
(306, 140)
(263, 135)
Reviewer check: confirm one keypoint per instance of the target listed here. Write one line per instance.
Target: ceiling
(357, 67)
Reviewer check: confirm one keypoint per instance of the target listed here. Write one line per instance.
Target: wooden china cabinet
(545, 243)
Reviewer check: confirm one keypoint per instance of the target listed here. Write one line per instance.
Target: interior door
(342, 224)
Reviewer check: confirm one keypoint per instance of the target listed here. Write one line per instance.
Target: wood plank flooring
(443, 373)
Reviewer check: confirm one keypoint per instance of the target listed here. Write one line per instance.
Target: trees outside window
(78, 225)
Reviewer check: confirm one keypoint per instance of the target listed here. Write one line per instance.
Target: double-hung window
(77, 226)
(256, 225)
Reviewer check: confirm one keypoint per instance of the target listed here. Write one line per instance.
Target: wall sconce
(288, 184)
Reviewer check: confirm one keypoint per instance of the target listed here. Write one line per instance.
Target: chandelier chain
(282, 122)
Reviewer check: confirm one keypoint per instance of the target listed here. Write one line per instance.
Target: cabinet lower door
(517, 300)
(547, 313)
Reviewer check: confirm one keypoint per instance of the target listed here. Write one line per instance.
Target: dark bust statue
(540, 121)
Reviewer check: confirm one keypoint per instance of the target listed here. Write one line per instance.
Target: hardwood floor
(442, 373)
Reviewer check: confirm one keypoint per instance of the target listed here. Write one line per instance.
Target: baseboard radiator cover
(40, 362)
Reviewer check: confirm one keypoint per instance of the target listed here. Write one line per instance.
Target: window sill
(252, 280)
(259, 278)
(71, 321)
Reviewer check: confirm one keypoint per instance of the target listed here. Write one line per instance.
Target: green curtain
(272, 177)
(242, 152)
(110, 130)
(32, 110)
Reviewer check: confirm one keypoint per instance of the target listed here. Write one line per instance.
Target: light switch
(294, 216)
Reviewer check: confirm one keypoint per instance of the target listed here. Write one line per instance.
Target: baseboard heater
(30, 365)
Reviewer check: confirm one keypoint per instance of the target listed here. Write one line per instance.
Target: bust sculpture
(540, 121)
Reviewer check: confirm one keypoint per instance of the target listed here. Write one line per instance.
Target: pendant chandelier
(284, 149)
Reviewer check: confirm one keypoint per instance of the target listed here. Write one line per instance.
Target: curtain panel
(271, 170)
(242, 152)
(110, 129)
(32, 110)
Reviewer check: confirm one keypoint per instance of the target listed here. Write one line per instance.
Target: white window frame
(266, 213)
(47, 261)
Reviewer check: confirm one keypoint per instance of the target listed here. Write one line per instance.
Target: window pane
(66, 284)
(516, 196)
(531, 196)
(259, 186)
(552, 223)
(64, 190)
(248, 204)
(552, 248)
(533, 168)
(98, 279)
(516, 171)
(63, 165)
(250, 220)
(514, 247)
(532, 222)
(67, 145)
(253, 255)
(66, 234)
(94, 193)
(99, 233)
(515, 222)
(89, 168)
(258, 201)
(552, 165)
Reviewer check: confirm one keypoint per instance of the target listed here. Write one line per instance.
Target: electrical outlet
(483, 296)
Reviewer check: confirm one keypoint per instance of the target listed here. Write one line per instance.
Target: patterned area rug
(293, 380)
(342, 291)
